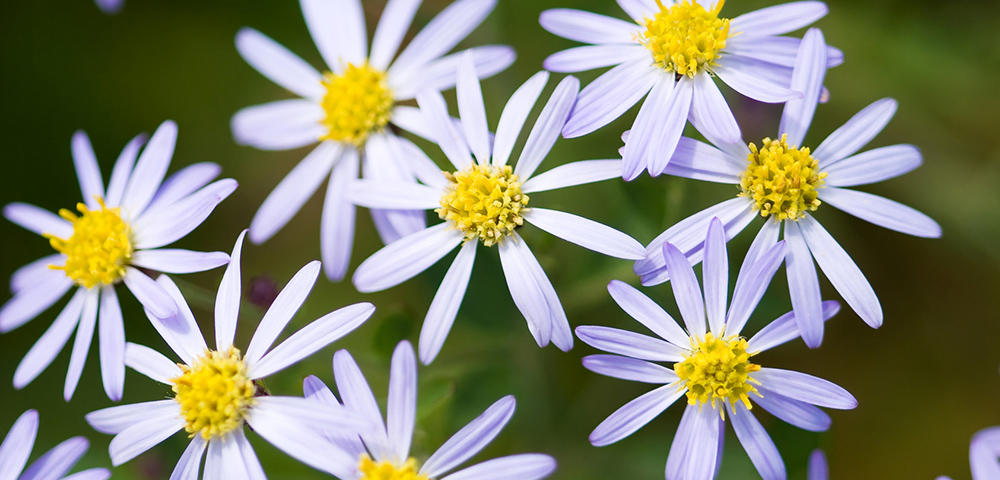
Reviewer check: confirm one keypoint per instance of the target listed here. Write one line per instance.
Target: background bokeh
(926, 381)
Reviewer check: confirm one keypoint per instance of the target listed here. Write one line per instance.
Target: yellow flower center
(357, 103)
(387, 471)
(484, 202)
(99, 248)
(685, 37)
(718, 369)
(782, 180)
(214, 393)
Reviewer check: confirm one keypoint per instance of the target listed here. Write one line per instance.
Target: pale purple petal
(514, 115)
(801, 414)
(167, 225)
(389, 194)
(31, 301)
(695, 450)
(776, 50)
(150, 169)
(818, 469)
(399, 261)
(123, 170)
(873, 166)
(183, 334)
(444, 307)
(785, 328)
(214, 464)
(589, 57)
(715, 277)
(435, 110)
(471, 109)
(401, 412)
(114, 420)
(81, 345)
(610, 95)
(17, 445)
(779, 19)
(647, 312)
(142, 436)
(803, 285)
(586, 233)
(188, 465)
(358, 397)
(109, 7)
(171, 260)
(249, 458)
(37, 220)
(634, 415)
(635, 345)
(55, 463)
(392, 27)
(749, 291)
(288, 197)
(279, 64)
(284, 306)
(882, 211)
(562, 336)
(151, 295)
(573, 174)
(36, 272)
(699, 161)
(151, 363)
(547, 127)
(111, 342)
(745, 81)
(807, 77)
(805, 388)
(89, 174)
(309, 414)
(766, 238)
(51, 342)
(630, 369)
(280, 125)
(983, 453)
(587, 27)
(336, 236)
(470, 439)
(182, 183)
(301, 443)
(92, 474)
(687, 292)
(525, 291)
(710, 114)
(338, 29)
(227, 300)
(638, 9)
(657, 127)
(441, 34)
(526, 466)
(856, 133)
(440, 75)
(757, 443)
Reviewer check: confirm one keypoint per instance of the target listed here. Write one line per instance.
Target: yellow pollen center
(99, 249)
(484, 202)
(718, 369)
(387, 471)
(685, 37)
(357, 103)
(782, 180)
(214, 393)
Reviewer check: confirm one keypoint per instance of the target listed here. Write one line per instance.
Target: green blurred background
(926, 381)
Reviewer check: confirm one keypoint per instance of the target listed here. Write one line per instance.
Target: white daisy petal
(526, 292)
(757, 443)
(882, 211)
(630, 369)
(150, 169)
(89, 174)
(55, 463)
(586, 233)
(358, 397)
(441, 34)
(526, 466)
(700, 161)
(807, 77)
(749, 292)
(589, 57)
(514, 115)
(138, 438)
(422, 167)
(547, 127)
(444, 307)
(573, 174)
(710, 113)
(215, 469)
(687, 292)
(412, 120)
(281, 311)
(30, 302)
(695, 450)
(766, 238)
(873, 166)
(842, 272)
(280, 125)
(435, 112)
(190, 462)
(562, 336)
(750, 85)
(310, 414)
(227, 300)
(472, 438)
(92, 474)
(779, 19)
(279, 64)
(856, 133)
(123, 170)
(638, 9)
(337, 223)
(51, 342)
(111, 342)
(645, 311)
(610, 95)
(440, 75)
(801, 414)
(338, 29)
(715, 277)
(250, 461)
(630, 344)
(399, 261)
(784, 329)
(151, 363)
(634, 415)
(301, 443)
(37, 220)
(803, 285)
(776, 50)
(149, 293)
(318, 334)
(182, 183)
(393, 194)
(402, 404)
(170, 260)
(983, 454)
(586, 27)
(805, 388)
(660, 122)
(36, 272)
(392, 26)
(168, 225)
(81, 345)
(471, 109)
(183, 334)
(114, 420)
(17, 445)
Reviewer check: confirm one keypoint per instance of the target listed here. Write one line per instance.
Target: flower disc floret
(214, 393)
(357, 103)
(99, 249)
(782, 180)
(484, 202)
(685, 37)
(385, 470)
(718, 369)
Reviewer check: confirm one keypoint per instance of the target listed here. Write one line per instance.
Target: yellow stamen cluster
(685, 37)
(718, 369)
(357, 103)
(782, 180)
(99, 249)
(387, 471)
(214, 393)
(484, 202)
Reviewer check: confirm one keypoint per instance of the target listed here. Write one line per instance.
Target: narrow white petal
(17, 445)
(757, 443)
(525, 291)
(149, 293)
(37, 220)
(311, 414)
(171, 260)
(111, 342)
(123, 170)
(634, 415)
(776, 50)
(151, 363)
(470, 439)
(630, 369)
(140, 437)
(573, 174)
(167, 225)
(440, 74)
(586, 233)
(31, 301)
(338, 28)
(638, 9)
(336, 234)
(514, 115)
(562, 336)
(882, 211)
(93, 473)
(715, 277)
(695, 449)
(645, 311)
(393, 194)
(280, 125)
(441, 34)
(249, 457)
(630, 344)
(873, 166)
(807, 77)
(805, 388)
(358, 397)
(190, 462)
(801, 414)
(114, 420)
(279, 64)
(227, 300)
(392, 26)
(610, 95)
(699, 161)
(182, 183)
(803, 286)
(547, 127)
(657, 128)
(57, 462)
(181, 332)
(784, 329)
(435, 111)
(81, 345)
(89, 174)
(710, 113)
(587, 27)
(752, 86)
(589, 57)
(779, 19)
(526, 466)
(856, 133)
(471, 109)
(687, 292)
(36, 272)
(281, 311)
(749, 291)
(401, 412)
(401, 260)
(301, 443)
(150, 169)
(444, 307)
(51, 343)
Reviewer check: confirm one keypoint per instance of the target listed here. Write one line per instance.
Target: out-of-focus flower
(349, 110)
(786, 182)
(54, 465)
(114, 233)
(487, 201)
(110, 7)
(216, 391)
(712, 366)
(673, 54)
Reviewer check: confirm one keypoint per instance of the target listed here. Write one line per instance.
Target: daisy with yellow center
(383, 453)
(218, 390)
(714, 366)
(484, 200)
(351, 109)
(673, 51)
(787, 182)
(105, 241)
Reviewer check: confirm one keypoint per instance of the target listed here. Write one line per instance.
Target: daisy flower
(785, 182)
(712, 367)
(487, 201)
(350, 107)
(671, 51)
(114, 233)
(217, 391)
(54, 465)
(383, 453)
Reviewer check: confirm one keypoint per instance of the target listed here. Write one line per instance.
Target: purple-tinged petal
(358, 397)
(710, 114)
(470, 439)
(281, 311)
(440, 75)
(687, 292)
(634, 415)
(589, 57)
(732, 72)
(807, 77)
(805, 388)
(138, 438)
(873, 166)
(882, 211)
(81, 344)
(779, 19)
(983, 453)
(280, 65)
(547, 127)
(150, 169)
(435, 111)
(776, 50)
(526, 466)
(182, 183)
(471, 109)
(167, 225)
(757, 443)
(586, 233)
(638, 9)
(35, 273)
(573, 174)
(818, 469)
(447, 300)
(392, 27)
(114, 420)
(111, 342)
(795, 412)
(514, 115)
(749, 292)
(182, 333)
(338, 29)
(388, 194)
(441, 34)
(279, 125)
(227, 300)
(629, 369)
(695, 450)
(657, 127)
(803, 286)
(587, 27)
(401, 260)
(151, 363)
(785, 329)
(303, 444)
(51, 342)
(37, 220)
(150, 294)
(17, 445)
(562, 336)
(645, 311)
(336, 236)
(630, 344)
(55, 463)
(856, 133)
(87, 171)
(401, 412)
(171, 260)
(610, 95)
(525, 291)
(30, 302)
(715, 277)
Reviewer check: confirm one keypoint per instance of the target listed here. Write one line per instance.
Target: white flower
(673, 54)
(215, 390)
(117, 231)
(711, 363)
(383, 453)
(349, 107)
(786, 182)
(54, 465)
(486, 201)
